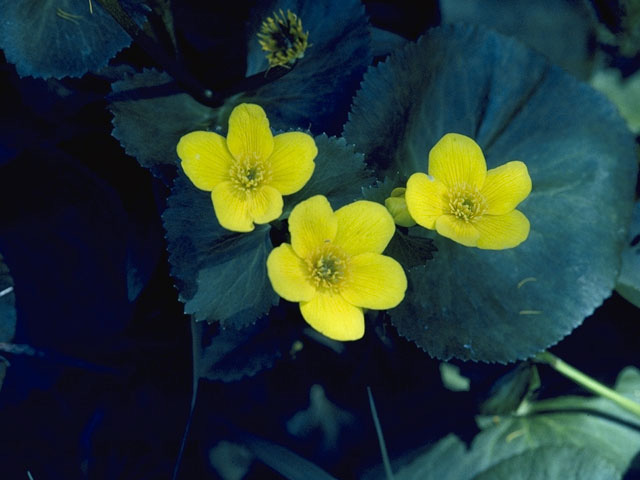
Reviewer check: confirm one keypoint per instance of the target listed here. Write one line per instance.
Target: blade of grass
(383, 447)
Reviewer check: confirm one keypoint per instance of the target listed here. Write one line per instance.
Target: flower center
(247, 175)
(466, 202)
(283, 38)
(328, 268)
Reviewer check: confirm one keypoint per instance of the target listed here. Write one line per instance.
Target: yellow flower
(397, 206)
(465, 202)
(334, 266)
(283, 38)
(248, 172)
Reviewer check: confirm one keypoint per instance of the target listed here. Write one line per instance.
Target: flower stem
(587, 382)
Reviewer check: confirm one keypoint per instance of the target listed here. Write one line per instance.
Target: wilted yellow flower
(397, 206)
(334, 266)
(248, 172)
(465, 202)
(283, 38)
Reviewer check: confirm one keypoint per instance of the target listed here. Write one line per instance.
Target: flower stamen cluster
(328, 268)
(283, 38)
(466, 202)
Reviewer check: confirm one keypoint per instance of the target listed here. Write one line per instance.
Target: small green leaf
(7, 312)
(221, 275)
(629, 279)
(61, 38)
(501, 306)
(339, 175)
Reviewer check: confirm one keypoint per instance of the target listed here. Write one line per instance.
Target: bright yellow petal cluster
(334, 265)
(248, 172)
(465, 202)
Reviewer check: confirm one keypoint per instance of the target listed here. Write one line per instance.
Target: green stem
(588, 382)
(383, 447)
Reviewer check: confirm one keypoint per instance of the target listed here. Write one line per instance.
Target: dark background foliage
(105, 392)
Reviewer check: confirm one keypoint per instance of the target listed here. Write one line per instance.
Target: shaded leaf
(221, 275)
(505, 305)
(411, 249)
(629, 279)
(149, 118)
(229, 354)
(565, 40)
(7, 312)
(625, 93)
(61, 38)
(339, 175)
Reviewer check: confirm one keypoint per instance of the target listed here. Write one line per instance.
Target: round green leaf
(221, 276)
(7, 312)
(316, 94)
(629, 280)
(500, 306)
(60, 38)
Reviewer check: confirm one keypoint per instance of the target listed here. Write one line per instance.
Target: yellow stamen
(249, 174)
(328, 268)
(283, 38)
(466, 202)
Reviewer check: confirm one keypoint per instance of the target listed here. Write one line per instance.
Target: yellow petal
(231, 207)
(205, 158)
(288, 274)
(375, 281)
(292, 161)
(457, 230)
(334, 317)
(265, 204)
(457, 159)
(498, 232)
(364, 226)
(426, 199)
(249, 134)
(311, 224)
(505, 187)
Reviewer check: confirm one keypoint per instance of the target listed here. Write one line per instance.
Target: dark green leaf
(339, 175)
(505, 305)
(629, 280)
(411, 249)
(229, 354)
(221, 275)
(7, 312)
(61, 38)
(595, 425)
(317, 93)
(149, 118)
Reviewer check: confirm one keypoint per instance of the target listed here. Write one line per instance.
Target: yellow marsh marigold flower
(283, 38)
(248, 172)
(465, 202)
(334, 266)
